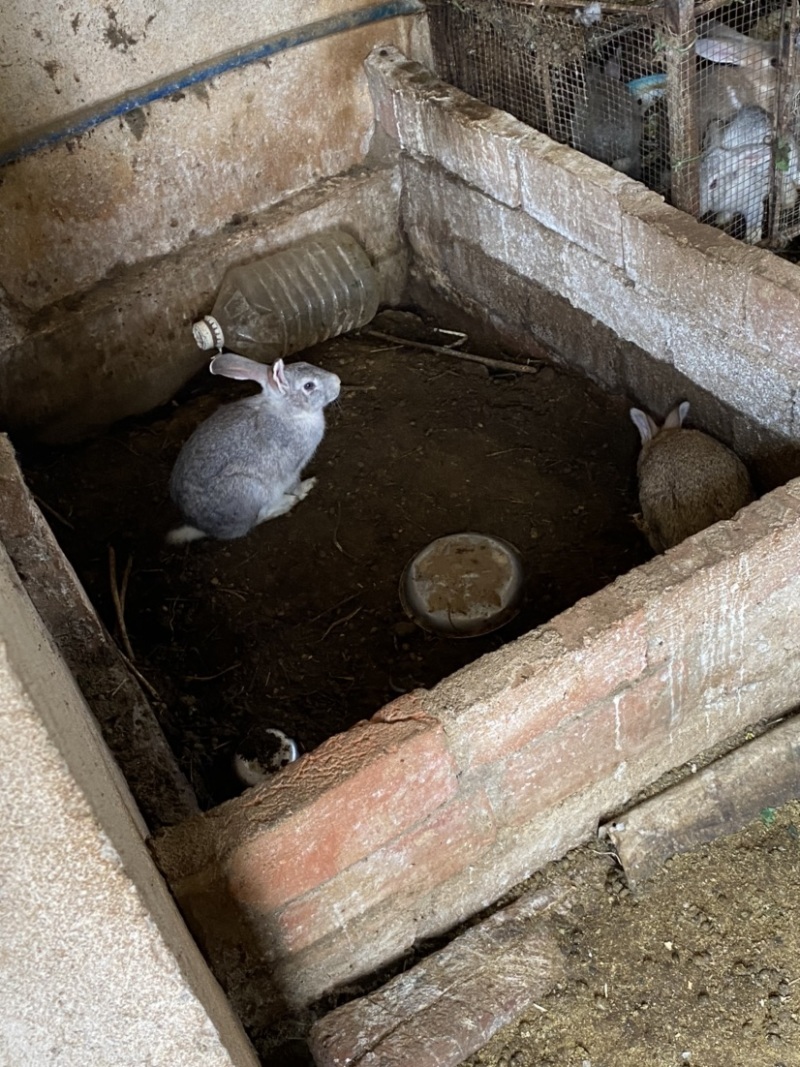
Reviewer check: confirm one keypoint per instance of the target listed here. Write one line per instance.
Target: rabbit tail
(181, 535)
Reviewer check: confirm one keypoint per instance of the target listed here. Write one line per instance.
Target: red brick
(556, 765)
(505, 701)
(608, 636)
(703, 624)
(388, 777)
(645, 714)
(400, 872)
(407, 708)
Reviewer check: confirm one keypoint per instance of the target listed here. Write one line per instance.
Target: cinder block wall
(408, 823)
(539, 240)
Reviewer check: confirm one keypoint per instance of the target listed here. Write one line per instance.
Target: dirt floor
(299, 626)
(703, 968)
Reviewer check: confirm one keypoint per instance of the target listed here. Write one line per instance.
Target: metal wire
(699, 101)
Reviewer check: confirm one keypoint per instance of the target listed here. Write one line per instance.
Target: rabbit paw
(287, 501)
(304, 488)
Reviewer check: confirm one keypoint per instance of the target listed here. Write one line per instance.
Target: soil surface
(299, 625)
(701, 969)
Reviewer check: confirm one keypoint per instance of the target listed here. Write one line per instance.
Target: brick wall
(404, 825)
(410, 822)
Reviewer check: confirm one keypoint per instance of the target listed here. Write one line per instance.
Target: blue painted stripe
(240, 57)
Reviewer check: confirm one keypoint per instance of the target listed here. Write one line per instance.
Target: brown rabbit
(687, 480)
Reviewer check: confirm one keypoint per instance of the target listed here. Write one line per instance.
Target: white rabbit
(242, 465)
(735, 168)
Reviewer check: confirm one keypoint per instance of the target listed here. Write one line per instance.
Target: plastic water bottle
(293, 299)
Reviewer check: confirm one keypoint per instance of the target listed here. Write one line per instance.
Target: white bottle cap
(208, 333)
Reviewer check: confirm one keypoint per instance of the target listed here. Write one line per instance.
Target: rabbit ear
(644, 424)
(276, 376)
(232, 366)
(739, 51)
(675, 418)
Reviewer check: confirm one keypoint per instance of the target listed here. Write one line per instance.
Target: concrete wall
(96, 965)
(149, 183)
(126, 346)
(86, 335)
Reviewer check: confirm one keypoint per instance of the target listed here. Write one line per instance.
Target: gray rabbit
(607, 122)
(242, 465)
(687, 480)
(735, 169)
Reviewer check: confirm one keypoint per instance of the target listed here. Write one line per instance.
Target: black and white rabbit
(242, 465)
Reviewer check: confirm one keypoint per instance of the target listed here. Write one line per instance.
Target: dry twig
(339, 622)
(336, 533)
(57, 515)
(141, 678)
(211, 677)
(123, 589)
(497, 364)
(119, 601)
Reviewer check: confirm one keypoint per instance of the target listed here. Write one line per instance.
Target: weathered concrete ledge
(126, 346)
(96, 964)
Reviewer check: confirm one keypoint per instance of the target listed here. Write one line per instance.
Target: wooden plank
(720, 799)
(450, 1004)
(684, 146)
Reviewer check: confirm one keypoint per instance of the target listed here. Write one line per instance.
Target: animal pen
(440, 794)
(697, 100)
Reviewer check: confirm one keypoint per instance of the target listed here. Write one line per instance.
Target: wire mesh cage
(698, 99)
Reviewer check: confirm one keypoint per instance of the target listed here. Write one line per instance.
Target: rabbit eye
(309, 387)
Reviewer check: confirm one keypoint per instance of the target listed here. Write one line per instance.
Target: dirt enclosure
(299, 625)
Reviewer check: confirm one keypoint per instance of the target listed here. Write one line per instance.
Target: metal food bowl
(463, 585)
